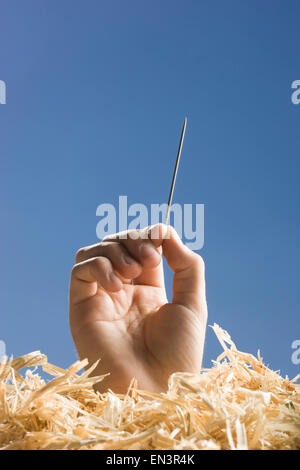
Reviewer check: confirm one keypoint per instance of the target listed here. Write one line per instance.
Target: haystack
(239, 403)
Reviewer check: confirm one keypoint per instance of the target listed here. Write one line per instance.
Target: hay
(237, 404)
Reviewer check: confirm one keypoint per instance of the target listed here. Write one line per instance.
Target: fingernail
(147, 250)
(128, 259)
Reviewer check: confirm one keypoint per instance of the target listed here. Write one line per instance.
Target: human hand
(119, 311)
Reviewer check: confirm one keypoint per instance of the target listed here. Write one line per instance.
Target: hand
(119, 311)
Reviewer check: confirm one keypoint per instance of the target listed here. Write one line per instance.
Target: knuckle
(110, 237)
(80, 254)
(109, 246)
(112, 250)
(95, 267)
(106, 238)
(134, 234)
(100, 264)
(123, 235)
(74, 270)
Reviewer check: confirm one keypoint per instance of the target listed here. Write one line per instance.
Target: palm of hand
(131, 327)
(142, 335)
(139, 334)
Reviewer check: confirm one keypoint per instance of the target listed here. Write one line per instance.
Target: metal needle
(175, 170)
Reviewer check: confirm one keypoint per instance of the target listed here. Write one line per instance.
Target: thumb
(188, 268)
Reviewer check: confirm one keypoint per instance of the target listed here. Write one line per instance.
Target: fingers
(136, 255)
(138, 245)
(88, 275)
(127, 258)
(119, 257)
(188, 268)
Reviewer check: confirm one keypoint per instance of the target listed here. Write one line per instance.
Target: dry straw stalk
(237, 404)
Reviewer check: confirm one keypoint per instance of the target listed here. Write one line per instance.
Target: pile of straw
(237, 404)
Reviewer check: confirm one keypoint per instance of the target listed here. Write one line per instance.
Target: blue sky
(96, 95)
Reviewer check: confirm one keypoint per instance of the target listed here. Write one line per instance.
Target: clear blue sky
(96, 95)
